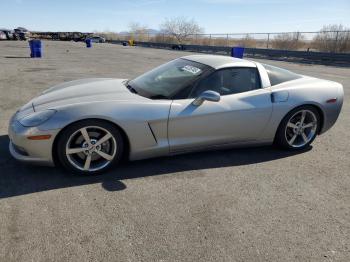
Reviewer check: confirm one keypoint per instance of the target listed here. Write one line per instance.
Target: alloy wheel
(91, 148)
(301, 128)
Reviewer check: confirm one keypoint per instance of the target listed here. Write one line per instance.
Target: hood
(85, 91)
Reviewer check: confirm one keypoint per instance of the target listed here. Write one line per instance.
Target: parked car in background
(6, 34)
(98, 39)
(20, 36)
(20, 33)
(3, 36)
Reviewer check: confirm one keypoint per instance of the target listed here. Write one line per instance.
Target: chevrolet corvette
(193, 103)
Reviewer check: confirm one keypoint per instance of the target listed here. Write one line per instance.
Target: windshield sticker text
(192, 69)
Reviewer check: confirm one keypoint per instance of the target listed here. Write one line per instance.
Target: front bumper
(18, 155)
(31, 151)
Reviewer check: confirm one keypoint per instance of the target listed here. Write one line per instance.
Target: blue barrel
(237, 52)
(35, 48)
(88, 42)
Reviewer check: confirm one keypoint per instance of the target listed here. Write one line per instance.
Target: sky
(215, 16)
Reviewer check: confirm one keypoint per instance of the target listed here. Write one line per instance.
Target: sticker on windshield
(192, 69)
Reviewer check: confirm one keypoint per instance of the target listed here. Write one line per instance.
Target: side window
(229, 81)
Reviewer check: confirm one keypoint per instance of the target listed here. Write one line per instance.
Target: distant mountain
(153, 31)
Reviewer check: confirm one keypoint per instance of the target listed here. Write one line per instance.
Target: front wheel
(299, 128)
(90, 147)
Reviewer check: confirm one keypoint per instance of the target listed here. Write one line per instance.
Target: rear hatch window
(279, 75)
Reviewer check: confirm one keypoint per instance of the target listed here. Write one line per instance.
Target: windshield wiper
(128, 86)
(132, 90)
(158, 97)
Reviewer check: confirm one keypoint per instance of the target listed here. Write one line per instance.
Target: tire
(294, 133)
(104, 149)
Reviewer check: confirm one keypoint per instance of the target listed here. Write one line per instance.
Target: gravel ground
(257, 204)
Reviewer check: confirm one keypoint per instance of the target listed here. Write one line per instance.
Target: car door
(240, 116)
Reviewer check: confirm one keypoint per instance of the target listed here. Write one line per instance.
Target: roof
(219, 61)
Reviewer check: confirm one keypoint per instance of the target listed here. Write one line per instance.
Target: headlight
(37, 118)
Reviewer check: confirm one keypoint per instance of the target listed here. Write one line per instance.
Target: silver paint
(163, 127)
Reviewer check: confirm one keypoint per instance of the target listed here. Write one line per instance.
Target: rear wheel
(90, 147)
(299, 128)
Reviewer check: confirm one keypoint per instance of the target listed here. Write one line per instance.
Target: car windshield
(167, 80)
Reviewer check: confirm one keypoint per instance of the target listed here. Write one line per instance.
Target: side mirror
(208, 95)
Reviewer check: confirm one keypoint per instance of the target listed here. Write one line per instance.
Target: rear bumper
(332, 111)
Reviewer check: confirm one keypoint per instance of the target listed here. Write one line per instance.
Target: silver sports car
(193, 103)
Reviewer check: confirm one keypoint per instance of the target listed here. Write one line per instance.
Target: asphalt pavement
(255, 204)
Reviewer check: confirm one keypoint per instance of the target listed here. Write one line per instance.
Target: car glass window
(279, 75)
(229, 81)
(168, 79)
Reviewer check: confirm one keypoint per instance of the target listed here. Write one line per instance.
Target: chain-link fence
(324, 41)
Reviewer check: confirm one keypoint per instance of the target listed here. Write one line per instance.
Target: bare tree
(137, 28)
(288, 41)
(248, 41)
(108, 35)
(138, 31)
(181, 28)
(333, 38)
